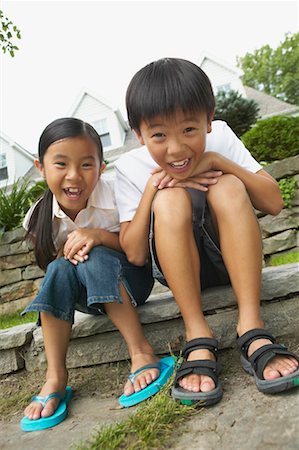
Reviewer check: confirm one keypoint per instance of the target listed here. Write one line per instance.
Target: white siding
(221, 76)
(90, 110)
(17, 162)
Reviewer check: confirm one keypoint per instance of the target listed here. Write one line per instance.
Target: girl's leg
(55, 303)
(241, 248)
(179, 260)
(56, 334)
(104, 275)
(125, 317)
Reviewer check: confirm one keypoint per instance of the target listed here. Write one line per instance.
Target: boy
(189, 193)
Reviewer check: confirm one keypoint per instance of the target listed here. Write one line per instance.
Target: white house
(107, 120)
(116, 136)
(224, 76)
(15, 161)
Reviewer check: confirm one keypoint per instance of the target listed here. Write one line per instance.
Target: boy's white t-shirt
(133, 169)
(100, 212)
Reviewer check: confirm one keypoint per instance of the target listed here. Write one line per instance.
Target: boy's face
(177, 142)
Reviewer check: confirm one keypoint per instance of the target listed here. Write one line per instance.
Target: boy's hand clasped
(199, 181)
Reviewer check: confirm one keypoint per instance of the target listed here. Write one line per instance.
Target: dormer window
(102, 129)
(3, 167)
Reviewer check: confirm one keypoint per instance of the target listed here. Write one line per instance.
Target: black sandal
(200, 367)
(256, 363)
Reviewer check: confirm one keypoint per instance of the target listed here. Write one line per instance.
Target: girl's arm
(81, 241)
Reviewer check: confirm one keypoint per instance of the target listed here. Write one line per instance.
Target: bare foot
(36, 410)
(144, 378)
(195, 382)
(279, 366)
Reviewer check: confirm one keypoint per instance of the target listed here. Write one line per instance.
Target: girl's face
(71, 168)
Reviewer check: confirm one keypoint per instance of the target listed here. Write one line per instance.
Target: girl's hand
(79, 243)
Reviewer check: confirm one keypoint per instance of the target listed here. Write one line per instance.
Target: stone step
(95, 340)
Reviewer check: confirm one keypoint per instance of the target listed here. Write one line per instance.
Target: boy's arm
(262, 189)
(134, 234)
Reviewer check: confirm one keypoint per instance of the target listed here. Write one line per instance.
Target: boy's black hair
(165, 86)
(40, 223)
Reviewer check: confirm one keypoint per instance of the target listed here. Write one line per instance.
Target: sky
(69, 46)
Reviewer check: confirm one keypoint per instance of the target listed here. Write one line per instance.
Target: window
(3, 167)
(102, 129)
(224, 87)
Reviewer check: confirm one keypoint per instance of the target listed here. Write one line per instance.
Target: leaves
(239, 112)
(274, 71)
(8, 32)
(15, 201)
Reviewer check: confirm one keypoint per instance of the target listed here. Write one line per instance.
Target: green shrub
(288, 189)
(239, 112)
(273, 139)
(15, 201)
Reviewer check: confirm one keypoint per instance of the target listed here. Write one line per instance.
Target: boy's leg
(126, 319)
(179, 260)
(241, 247)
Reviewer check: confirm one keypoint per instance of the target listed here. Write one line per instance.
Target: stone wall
(20, 278)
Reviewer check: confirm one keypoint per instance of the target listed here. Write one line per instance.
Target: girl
(74, 227)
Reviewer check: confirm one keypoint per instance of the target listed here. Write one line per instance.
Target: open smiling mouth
(72, 193)
(179, 165)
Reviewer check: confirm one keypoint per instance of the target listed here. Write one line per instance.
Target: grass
(288, 258)
(13, 319)
(150, 427)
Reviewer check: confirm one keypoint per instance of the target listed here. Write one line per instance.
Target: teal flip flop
(48, 422)
(166, 367)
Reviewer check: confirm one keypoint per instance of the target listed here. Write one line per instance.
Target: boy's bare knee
(172, 205)
(229, 191)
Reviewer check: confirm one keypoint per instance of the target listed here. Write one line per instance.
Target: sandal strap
(260, 358)
(200, 344)
(202, 367)
(133, 375)
(44, 400)
(250, 336)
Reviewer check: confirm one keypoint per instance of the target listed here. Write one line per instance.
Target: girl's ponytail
(40, 231)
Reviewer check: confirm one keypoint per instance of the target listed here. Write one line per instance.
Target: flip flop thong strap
(133, 375)
(44, 400)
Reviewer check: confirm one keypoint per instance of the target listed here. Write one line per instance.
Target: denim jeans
(212, 269)
(89, 285)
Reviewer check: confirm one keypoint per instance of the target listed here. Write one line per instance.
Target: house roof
(270, 106)
(84, 92)
(17, 146)
(206, 55)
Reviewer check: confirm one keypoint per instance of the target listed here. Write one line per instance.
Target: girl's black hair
(165, 86)
(40, 223)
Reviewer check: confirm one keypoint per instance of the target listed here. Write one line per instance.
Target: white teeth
(179, 163)
(73, 190)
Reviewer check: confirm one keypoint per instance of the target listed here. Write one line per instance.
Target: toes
(197, 383)
(141, 382)
(280, 367)
(33, 411)
(49, 408)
